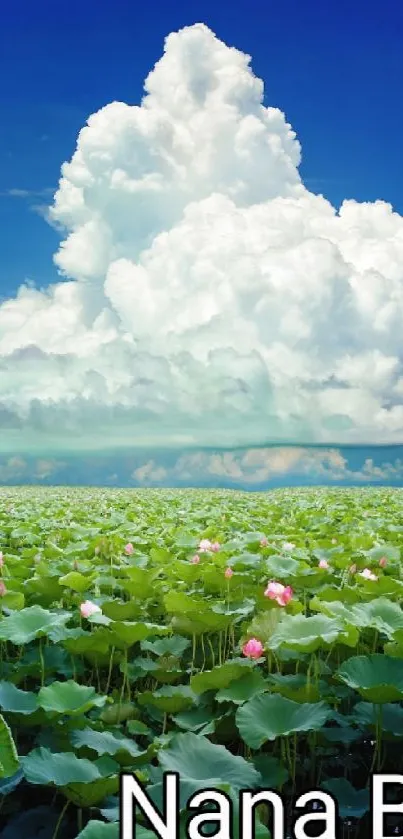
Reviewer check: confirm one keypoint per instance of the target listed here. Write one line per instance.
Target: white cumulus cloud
(206, 297)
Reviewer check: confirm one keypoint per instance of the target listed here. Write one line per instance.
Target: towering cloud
(206, 297)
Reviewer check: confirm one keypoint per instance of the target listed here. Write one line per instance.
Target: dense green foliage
(157, 679)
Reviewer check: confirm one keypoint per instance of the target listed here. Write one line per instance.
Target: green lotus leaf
(378, 678)
(83, 643)
(391, 552)
(105, 742)
(189, 625)
(187, 788)
(105, 582)
(264, 624)
(398, 636)
(9, 784)
(69, 698)
(99, 619)
(220, 676)
(243, 689)
(121, 610)
(386, 586)
(9, 763)
(169, 699)
(391, 719)
(218, 618)
(380, 614)
(76, 581)
(93, 793)
(245, 560)
(139, 667)
(25, 625)
(194, 616)
(274, 774)
(44, 588)
(309, 634)
(137, 582)
(13, 600)
(353, 803)
(297, 687)
(342, 734)
(252, 537)
(282, 567)
(186, 540)
(179, 603)
(333, 608)
(193, 720)
(197, 759)
(101, 830)
(129, 633)
(111, 809)
(136, 727)
(16, 701)
(393, 649)
(41, 766)
(329, 594)
(266, 717)
(235, 610)
(118, 713)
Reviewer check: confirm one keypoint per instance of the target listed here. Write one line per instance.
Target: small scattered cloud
(12, 469)
(112, 480)
(15, 192)
(383, 472)
(149, 473)
(44, 468)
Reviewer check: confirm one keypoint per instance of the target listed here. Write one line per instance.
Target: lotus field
(244, 640)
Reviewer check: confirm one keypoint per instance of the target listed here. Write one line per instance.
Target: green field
(161, 675)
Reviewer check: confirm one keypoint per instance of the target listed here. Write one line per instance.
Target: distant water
(249, 469)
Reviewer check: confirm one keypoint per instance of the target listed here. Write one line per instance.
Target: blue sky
(300, 314)
(336, 69)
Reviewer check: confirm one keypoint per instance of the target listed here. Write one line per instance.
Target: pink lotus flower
(323, 563)
(228, 573)
(129, 549)
(383, 562)
(288, 546)
(3, 589)
(264, 542)
(205, 545)
(276, 591)
(334, 541)
(89, 608)
(253, 648)
(1, 559)
(368, 575)
(195, 559)
(215, 547)
(353, 569)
